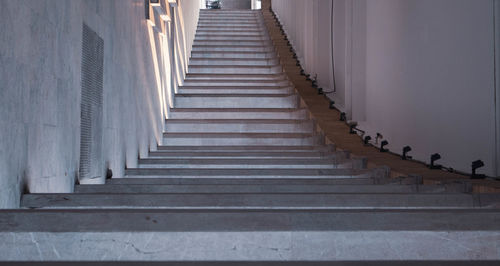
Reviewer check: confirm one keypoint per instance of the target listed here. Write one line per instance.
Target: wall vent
(91, 105)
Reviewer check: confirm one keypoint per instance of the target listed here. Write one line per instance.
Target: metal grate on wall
(91, 104)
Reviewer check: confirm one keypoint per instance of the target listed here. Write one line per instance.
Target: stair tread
(242, 147)
(234, 95)
(268, 188)
(246, 220)
(177, 109)
(234, 66)
(248, 161)
(237, 135)
(240, 121)
(254, 200)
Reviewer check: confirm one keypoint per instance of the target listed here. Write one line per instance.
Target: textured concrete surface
(40, 74)
(256, 235)
(256, 246)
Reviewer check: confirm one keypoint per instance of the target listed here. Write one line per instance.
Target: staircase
(245, 175)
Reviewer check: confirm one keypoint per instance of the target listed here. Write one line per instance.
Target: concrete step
(235, 101)
(251, 163)
(216, 76)
(244, 148)
(235, 90)
(234, 69)
(233, 26)
(231, 22)
(256, 173)
(234, 77)
(239, 126)
(251, 235)
(282, 188)
(261, 201)
(225, 30)
(275, 263)
(233, 43)
(262, 181)
(224, 12)
(231, 33)
(236, 83)
(248, 154)
(238, 17)
(234, 48)
(231, 38)
(257, 139)
(233, 62)
(238, 113)
(233, 55)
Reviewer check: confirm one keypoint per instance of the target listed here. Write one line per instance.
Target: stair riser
(247, 154)
(228, 77)
(237, 91)
(205, 55)
(225, 83)
(235, 62)
(231, 38)
(236, 17)
(240, 115)
(109, 188)
(229, 24)
(257, 201)
(236, 102)
(163, 181)
(231, 33)
(262, 38)
(214, 127)
(229, 13)
(348, 164)
(235, 70)
(256, 173)
(235, 26)
(242, 166)
(229, 42)
(190, 148)
(212, 49)
(241, 141)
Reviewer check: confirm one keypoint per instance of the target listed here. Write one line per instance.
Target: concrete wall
(421, 72)
(236, 4)
(40, 74)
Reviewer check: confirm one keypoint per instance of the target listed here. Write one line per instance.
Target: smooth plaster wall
(420, 72)
(40, 75)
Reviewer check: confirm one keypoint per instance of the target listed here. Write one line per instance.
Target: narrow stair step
(233, 55)
(236, 101)
(233, 61)
(234, 69)
(238, 113)
(259, 201)
(282, 188)
(239, 126)
(255, 173)
(228, 139)
(248, 163)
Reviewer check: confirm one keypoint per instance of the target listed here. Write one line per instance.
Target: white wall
(40, 89)
(421, 72)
